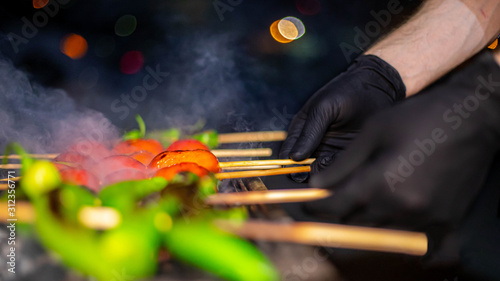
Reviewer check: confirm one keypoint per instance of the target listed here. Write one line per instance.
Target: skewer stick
(10, 166)
(36, 156)
(3, 186)
(251, 152)
(262, 173)
(264, 162)
(263, 136)
(267, 197)
(254, 152)
(10, 179)
(24, 212)
(332, 235)
(100, 218)
(265, 167)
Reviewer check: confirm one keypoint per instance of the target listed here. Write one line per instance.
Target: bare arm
(443, 34)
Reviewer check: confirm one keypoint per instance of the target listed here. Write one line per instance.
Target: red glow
(38, 4)
(131, 62)
(308, 7)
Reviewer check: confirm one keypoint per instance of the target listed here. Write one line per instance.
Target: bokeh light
(131, 62)
(74, 46)
(291, 28)
(308, 7)
(38, 4)
(287, 29)
(275, 33)
(125, 25)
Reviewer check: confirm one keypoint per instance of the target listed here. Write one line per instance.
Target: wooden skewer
(262, 173)
(264, 162)
(3, 186)
(253, 152)
(23, 212)
(332, 235)
(93, 217)
(10, 166)
(265, 167)
(10, 179)
(99, 217)
(37, 156)
(267, 197)
(244, 174)
(264, 136)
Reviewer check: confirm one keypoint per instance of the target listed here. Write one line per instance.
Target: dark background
(225, 69)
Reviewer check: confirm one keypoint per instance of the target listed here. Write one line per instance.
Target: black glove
(334, 114)
(421, 164)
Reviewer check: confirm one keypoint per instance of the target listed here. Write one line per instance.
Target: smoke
(45, 120)
(209, 79)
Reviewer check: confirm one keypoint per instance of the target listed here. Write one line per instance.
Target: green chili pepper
(210, 138)
(130, 248)
(199, 243)
(136, 134)
(124, 196)
(165, 137)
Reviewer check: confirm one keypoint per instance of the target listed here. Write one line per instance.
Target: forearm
(439, 37)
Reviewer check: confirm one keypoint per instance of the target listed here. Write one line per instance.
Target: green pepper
(136, 134)
(124, 196)
(130, 248)
(210, 138)
(165, 137)
(201, 244)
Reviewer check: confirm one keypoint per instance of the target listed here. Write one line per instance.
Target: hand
(421, 164)
(335, 113)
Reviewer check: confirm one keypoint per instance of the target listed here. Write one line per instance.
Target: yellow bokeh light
(288, 29)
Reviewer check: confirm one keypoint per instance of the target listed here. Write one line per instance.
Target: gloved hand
(334, 114)
(421, 164)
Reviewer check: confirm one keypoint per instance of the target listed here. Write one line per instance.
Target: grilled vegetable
(199, 243)
(187, 145)
(170, 172)
(209, 138)
(203, 158)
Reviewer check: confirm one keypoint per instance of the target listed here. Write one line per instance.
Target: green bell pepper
(201, 244)
(210, 138)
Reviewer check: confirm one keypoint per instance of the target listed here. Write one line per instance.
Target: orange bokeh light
(74, 46)
(38, 4)
(275, 32)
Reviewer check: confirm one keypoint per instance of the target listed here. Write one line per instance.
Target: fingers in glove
(358, 153)
(293, 134)
(346, 199)
(317, 123)
(322, 161)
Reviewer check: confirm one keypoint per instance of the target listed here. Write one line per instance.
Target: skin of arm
(440, 36)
